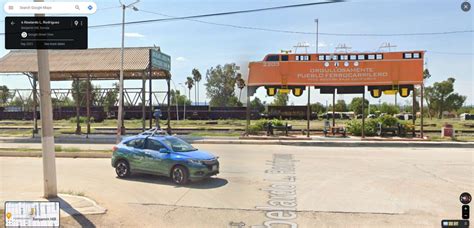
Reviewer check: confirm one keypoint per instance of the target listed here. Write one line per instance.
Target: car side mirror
(164, 150)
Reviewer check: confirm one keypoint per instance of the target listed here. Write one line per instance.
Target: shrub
(355, 127)
(408, 126)
(254, 129)
(82, 119)
(260, 125)
(387, 120)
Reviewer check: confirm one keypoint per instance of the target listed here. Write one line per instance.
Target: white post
(317, 35)
(120, 108)
(47, 135)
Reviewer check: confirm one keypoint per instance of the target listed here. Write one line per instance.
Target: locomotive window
(343, 57)
(353, 57)
(361, 57)
(407, 56)
(321, 58)
(284, 58)
(371, 57)
(416, 55)
(297, 58)
(328, 57)
(334, 57)
(307, 58)
(379, 56)
(273, 58)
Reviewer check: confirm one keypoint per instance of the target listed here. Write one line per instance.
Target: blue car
(163, 155)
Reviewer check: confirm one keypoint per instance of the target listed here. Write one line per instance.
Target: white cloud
(134, 35)
(181, 59)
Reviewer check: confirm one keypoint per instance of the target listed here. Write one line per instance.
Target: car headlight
(194, 162)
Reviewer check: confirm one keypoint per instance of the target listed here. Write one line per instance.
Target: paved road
(335, 187)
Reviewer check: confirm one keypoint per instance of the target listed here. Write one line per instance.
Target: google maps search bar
(50, 7)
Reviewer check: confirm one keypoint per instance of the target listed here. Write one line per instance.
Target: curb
(58, 154)
(339, 143)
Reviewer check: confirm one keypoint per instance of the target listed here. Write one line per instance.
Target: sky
(199, 45)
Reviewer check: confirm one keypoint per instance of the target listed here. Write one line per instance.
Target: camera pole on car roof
(47, 136)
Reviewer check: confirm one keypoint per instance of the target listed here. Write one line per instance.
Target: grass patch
(59, 148)
(210, 133)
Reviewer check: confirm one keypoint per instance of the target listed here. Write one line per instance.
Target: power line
(313, 33)
(219, 14)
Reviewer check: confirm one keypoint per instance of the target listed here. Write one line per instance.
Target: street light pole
(120, 125)
(317, 35)
(176, 99)
(47, 134)
(184, 102)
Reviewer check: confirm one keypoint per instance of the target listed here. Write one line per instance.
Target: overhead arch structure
(379, 73)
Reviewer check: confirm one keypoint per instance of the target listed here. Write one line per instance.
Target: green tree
(426, 74)
(189, 83)
(176, 96)
(374, 109)
(27, 103)
(220, 86)
(111, 97)
(441, 97)
(4, 94)
(197, 78)
(340, 106)
(389, 108)
(318, 108)
(280, 99)
(356, 105)
(257, 104)
(79, 92)
(240, 84)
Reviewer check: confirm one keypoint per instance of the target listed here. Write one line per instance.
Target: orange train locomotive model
(382, 72)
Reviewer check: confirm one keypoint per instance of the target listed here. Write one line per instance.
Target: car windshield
(178, 145)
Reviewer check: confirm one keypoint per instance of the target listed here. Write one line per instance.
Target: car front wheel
(180, 175)
(122, 169)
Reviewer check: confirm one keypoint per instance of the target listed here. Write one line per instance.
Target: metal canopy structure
(91, 64)
(98, 63)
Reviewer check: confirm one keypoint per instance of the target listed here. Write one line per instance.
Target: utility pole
(120, 125)
(317, 35)
(184, 103)
(47, 135)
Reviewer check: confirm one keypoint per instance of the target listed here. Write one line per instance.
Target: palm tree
(240, 83)
(197, 77)
(190, 83)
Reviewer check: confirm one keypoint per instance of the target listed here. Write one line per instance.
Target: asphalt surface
(319, 187)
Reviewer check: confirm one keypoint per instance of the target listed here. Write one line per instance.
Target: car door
(154, 161)
(136, 153)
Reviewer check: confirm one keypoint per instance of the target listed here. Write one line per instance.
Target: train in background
(192, 113)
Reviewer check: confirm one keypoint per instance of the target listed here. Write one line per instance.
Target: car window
(153, 145)
(178, 145)
(136, 143)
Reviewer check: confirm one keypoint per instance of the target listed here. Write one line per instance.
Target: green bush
(387, 120)
(82, 119)
(355, 127)
(254, 129)
(260, 125)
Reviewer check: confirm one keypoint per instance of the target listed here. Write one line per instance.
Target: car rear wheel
(180, 175)
(122, 169)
